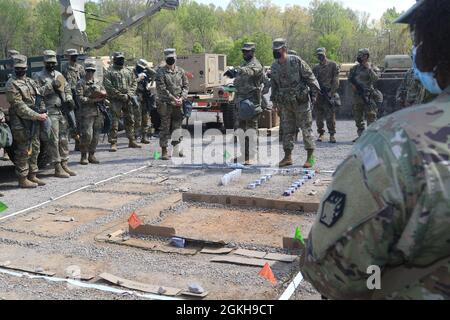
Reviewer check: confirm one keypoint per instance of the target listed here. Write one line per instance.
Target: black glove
(231, 73)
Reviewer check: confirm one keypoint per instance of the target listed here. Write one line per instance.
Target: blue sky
(374, 7)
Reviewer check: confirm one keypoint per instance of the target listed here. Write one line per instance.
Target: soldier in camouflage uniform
(327, 73)
(121, 85)
(21, 94)
(74, 72)
(292, 82)
(411, 92)
(389, 203)
(90, 93)
(145, 75)
(54, 97)
(248, 83)
(172, 88)
(367, 99)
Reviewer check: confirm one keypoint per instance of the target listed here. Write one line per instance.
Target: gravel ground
(163, 269)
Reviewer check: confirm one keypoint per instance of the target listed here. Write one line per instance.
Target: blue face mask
(428, 79)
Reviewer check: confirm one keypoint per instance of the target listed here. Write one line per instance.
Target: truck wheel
(229, 116)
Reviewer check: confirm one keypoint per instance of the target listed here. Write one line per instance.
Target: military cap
(142, 63)
(118, 55)
(90, 65)
(406, 17)
(20, 61)
(363, 52)
(12, 53)
(249, 46)
(170, 53)
(321, 51)
(279, 43)
(72, 52)
(50, 56)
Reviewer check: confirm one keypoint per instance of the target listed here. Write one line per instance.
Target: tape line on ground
(292, 287)
(80, 284)
(70, 193)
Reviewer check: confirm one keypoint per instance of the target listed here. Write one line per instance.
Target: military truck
(392, 74)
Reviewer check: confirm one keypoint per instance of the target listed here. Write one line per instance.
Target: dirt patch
(97, 200)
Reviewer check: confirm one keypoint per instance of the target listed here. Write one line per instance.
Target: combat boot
(333, 139)
(59, 172)
(321, 137)
(66, 169)
(177, 151)
(144, 140)
(24, 183)
(311, 161)
(134, 145)
(287, 161)
(84, 161)
(113, 147)
(165, 154)
(33, 178)
(92, 159)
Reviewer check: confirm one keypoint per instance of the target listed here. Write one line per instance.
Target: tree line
(31, 26)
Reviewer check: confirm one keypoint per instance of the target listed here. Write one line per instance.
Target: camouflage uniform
(170, 85)
(367, 78)
(412, 92)
(141, 114)
(21, 95)
(388, 206)
(248, 84)
(59, 142)
(92, 119)
(291, 85)
(120, 84)
(327, 73)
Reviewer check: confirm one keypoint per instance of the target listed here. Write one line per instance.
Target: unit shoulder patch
(333, 209)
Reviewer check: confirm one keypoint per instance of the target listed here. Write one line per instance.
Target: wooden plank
(196, 295)
(150, 246)
(168, 291)
(280, 257)
(253, 202)
(242, 261)
(250, 253)
(150, 230)
(64, 219)
(291, 243)
(9, 266)
(216, 251)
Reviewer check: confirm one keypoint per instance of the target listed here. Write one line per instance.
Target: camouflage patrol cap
(90, 65)
(363, 52)
(12, 53)
(72, 52)
(142, 63)
(170, 53)
(50, 56)
(406, 17)
(321, 51)
(20, 61)
(279, 43)
(249, 46)
(118, 55)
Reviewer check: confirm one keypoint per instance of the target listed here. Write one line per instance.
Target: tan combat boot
(65, 167)
(311, 161)
(33, 178)
(92, 159)
(165, 154)
(287, 161)
(144, 140)
(84, 161)
(333, 139)
(113, 147)
(24, 183)
(60, 173)
(321, 137)
(134, 145)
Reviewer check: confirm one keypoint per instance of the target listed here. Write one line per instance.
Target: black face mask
(20, 72)
(170, 61)
(360, 60)
(50, 67)
(276, 54)
(119, 62)
(74, 59)
(321, 58)
(248, 56)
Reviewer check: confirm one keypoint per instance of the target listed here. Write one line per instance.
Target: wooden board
(217, 251)
(171, 292)
(250, 253)
(242, 261)
(281, 257)
(291, 243)
(252, 202)
(150, 246)
(150, 230)
(10, 266)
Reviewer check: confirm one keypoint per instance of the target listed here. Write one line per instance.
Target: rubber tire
(229, 116)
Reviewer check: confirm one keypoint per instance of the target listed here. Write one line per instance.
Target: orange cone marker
(134, 221)
(267, 273)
